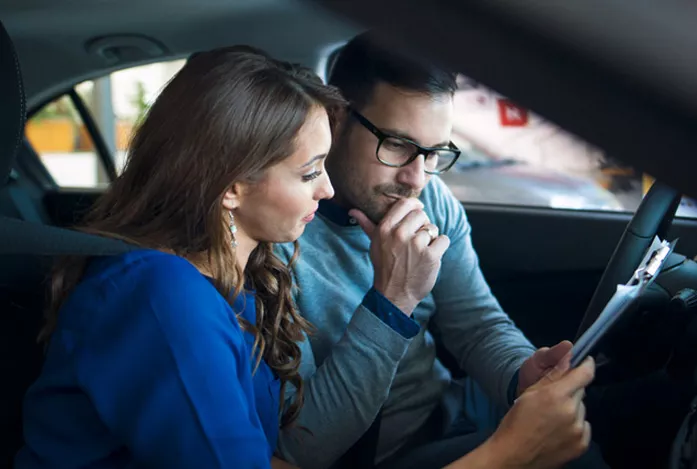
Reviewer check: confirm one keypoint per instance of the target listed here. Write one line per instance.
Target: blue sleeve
(513, 388)
(487, 344)
(388, 313)
(169, 374)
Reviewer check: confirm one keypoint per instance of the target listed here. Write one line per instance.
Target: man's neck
(340, 201)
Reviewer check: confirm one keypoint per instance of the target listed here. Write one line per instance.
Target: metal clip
(652, 265)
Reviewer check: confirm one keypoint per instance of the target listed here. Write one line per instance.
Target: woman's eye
(311, 176)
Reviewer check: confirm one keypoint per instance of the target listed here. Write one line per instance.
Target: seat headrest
(13, 112)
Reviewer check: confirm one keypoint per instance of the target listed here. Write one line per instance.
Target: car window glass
(512, 156)
(129, 93)
(116, 102)
(65, 147)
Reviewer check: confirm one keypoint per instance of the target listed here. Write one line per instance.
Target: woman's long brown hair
(228, 115)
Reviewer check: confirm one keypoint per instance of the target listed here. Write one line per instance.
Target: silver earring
(233, 230)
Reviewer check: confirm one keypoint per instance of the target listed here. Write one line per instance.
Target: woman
(175, 354)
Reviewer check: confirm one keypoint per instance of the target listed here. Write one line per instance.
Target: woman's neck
(243, 250)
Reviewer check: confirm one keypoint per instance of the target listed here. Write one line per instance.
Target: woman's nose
(325, 190)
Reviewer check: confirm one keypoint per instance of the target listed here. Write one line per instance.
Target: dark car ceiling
(621, 74)
(51, 36)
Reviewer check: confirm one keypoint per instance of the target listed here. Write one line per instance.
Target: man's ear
(232, 198)
(338, 121)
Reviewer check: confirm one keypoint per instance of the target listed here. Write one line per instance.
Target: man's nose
(325, 190)
(413, 174)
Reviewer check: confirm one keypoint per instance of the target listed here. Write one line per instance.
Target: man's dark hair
(365, 61)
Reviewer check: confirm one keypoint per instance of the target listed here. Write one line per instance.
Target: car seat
(27, 251)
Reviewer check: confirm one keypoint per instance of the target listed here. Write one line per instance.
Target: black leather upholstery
(13, 110)
(27, 252)
(20, 356)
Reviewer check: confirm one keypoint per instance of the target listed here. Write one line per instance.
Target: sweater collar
(336, 213)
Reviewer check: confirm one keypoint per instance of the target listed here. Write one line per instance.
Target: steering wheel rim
(653, 218)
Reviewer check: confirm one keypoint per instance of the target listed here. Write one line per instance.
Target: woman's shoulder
(149, 265)
(150, 289)
(149, 273)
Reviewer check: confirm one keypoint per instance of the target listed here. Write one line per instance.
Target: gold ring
(430, 231)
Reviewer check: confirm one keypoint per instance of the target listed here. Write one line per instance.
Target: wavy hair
(227, 116)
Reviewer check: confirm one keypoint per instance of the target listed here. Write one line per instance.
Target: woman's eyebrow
(313, 159)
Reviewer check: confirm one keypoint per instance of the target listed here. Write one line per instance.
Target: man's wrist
(401, 301)
(514, 390)
(390, 314)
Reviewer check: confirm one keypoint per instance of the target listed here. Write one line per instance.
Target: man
(387, 268)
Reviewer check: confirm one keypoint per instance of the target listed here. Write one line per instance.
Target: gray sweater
(362, 358)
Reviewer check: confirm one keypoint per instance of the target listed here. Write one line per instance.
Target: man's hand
(541, 363)
(406, 253)
(277, 463)
(545, 428)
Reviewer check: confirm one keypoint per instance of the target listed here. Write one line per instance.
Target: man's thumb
(363, 220)
(551, 356)
(560, 368)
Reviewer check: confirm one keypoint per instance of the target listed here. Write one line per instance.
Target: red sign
(512, 115)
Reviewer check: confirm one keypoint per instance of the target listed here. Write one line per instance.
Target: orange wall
(64, 136)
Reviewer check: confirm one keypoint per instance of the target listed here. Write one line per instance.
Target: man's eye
(393, 144)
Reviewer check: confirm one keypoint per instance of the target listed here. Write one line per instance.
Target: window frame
(102, 152)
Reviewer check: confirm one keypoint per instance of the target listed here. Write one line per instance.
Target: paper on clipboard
(623, 298)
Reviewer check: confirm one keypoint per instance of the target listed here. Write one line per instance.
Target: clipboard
(624, 298)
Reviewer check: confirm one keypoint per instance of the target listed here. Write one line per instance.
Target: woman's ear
(232, 198)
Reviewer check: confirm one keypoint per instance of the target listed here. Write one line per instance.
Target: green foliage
(140, 101)
(61, 108)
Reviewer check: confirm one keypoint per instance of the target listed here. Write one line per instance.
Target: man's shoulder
(437, 194)
(442, 207)
(315, 237)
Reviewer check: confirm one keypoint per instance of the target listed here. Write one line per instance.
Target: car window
(60, 138)
(512, 156)
(115, 103)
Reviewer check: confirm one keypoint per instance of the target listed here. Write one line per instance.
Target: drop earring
(233, 230)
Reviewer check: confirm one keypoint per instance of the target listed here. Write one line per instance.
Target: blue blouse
(148, 367)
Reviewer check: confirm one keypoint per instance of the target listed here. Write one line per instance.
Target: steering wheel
(653, 218)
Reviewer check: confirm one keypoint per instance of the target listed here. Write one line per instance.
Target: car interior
(611, 82)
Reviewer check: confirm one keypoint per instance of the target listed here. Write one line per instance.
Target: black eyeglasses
(399, 151)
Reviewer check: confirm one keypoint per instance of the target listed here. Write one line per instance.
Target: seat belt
(23, 204)
(23, 237)
(364, 451)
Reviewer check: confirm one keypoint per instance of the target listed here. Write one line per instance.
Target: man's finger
(577, 378)
(439, 245)
(560, 369)
(363, 220)
(412, 223)
(580, 411)
(587, 434)
(549, 357)
(400, 210)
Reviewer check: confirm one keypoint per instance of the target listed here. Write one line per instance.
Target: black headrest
(13, 111)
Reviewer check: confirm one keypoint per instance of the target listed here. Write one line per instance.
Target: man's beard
(375, 204)
(348, 185)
